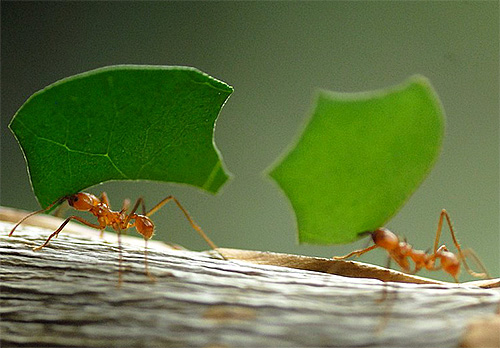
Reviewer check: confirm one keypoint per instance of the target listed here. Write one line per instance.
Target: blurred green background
(275, 55)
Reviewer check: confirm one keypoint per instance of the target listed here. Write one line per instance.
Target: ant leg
(104, 199)
(188, 217)
(444, 215)
(120, 256)
(355, 253)
(470, 253)
(34, 213)
(140, 201)
(402, 261)
(439, 228)
(143, 206)
(56, 232)
(388, 262)
(146, 265)
(125, 205)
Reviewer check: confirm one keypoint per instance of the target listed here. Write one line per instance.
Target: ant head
(83, 201)
(144, 226)
(385, 239)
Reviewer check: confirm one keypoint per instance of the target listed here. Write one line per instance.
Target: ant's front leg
(127, 224)
(402, 261)
(60, 200)
(125, 205)
(56, 232)
(140, 201)
(355, 253)
(104, 199)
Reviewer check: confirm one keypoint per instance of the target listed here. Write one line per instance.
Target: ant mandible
(401, 252)
(120, 221)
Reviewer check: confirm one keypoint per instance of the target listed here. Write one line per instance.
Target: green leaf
(360, 158)
(122, 123)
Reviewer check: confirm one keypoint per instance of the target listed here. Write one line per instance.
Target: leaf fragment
(359, 159)
(126, 122)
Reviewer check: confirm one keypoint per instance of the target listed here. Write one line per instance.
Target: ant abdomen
(144, 226)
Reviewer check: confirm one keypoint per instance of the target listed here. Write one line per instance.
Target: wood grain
(67, 295)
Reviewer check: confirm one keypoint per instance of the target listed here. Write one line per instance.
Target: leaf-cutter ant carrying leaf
(402, 252)
(120, 221)
(358, 160)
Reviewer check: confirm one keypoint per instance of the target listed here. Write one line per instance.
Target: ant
(400, 251)
(120, 221)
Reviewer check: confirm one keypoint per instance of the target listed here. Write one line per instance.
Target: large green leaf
(122, 123)
(359, 159)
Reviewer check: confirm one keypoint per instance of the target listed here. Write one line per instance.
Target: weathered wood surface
(67, 295)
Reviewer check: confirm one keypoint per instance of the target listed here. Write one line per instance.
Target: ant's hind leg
(193, 224)
(125, 205)
(442, 215)
(56, 232)
(445, 216)
(470, 253)
(461, 254)
(146, 263)
(120, 257)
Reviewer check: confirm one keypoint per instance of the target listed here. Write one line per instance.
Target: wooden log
(67, 295)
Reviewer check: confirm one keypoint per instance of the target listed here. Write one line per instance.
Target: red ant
(120, 221)
(401, 252)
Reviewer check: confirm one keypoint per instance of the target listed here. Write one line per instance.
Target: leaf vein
(75, 151)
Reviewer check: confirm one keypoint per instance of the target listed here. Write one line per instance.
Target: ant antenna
(37, 212)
